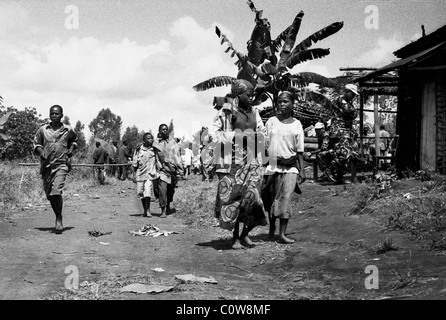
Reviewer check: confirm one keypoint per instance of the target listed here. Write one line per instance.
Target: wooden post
(376, 115)
(361, 123)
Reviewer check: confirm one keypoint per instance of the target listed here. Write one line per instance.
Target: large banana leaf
(302, 56)
(290, 40)
(256, 53)
(302, 79)
(253, 8)
(320, 97)
(277, 43)
(268, 47)
(4, 136)
(319, 35)
(224, 39)
(4, 119)
(249, 72)
(219, 81)
(260, 45)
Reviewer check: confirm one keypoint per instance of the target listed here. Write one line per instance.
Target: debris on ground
(158, 270)
(146, 288)
(151, 231)
(192, 278)
(97, 233)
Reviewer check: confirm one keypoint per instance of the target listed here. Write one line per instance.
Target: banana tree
(268, 62)
(4, 138)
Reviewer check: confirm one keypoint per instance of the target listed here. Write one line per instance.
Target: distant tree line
(17, 129)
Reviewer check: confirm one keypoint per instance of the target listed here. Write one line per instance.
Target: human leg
(272, 227)
(324, 161)
(282, 232)
(56, 202)
(170, 193)
(119, 172)
(281, 207)
(144, 190)
(146, 205)
(124, 173)
(162, 185)
(236, 237)
(101, 176)
(53, 183)
(244, 237)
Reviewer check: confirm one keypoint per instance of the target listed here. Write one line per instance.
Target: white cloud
(145, 84)
(416, 36)
(312, 66)
(381, 53)
(87, 66)
(13, 19)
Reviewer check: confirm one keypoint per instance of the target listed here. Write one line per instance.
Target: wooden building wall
(441, 121)
(421, 121)
(408, 124)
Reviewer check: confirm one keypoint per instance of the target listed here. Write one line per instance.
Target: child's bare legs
(272, 227)
(57, 204)
(244, 238)
(235, 237)
(146, 206)
(282, 231)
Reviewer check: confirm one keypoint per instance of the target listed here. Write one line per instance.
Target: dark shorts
(54, 180)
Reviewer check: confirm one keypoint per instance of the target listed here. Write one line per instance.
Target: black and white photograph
(223, 157)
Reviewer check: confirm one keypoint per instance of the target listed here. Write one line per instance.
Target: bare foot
(247, 242)
(237, 245)
(285, 240)
(59, 226)
(163, 215)
(147, 215)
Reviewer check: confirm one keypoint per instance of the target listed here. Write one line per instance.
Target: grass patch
(384, 246)
(107, 289)
(194, 200)
(20, 185)
(416, 205)
(403, 279)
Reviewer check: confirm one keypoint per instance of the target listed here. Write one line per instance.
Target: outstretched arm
(301, 167)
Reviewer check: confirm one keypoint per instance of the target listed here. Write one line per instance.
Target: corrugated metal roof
(398, 64)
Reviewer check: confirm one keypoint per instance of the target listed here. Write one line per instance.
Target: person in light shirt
(54, 143)
(285, 169)
(146, 164)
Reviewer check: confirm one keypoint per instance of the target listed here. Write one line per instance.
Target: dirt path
(328, 260)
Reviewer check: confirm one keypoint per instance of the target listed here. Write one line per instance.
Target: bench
(377, 159)
(356, 165)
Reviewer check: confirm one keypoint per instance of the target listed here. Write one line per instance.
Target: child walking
(145, 171)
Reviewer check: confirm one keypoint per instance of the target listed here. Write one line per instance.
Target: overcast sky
(142, 58)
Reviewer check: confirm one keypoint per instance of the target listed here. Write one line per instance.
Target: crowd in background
(258, 165)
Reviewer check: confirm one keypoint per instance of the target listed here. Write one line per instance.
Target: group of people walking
(155, 164)
(259, 165)
(117, 158)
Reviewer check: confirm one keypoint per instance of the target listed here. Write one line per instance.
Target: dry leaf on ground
(146, 288)
(192, 278)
